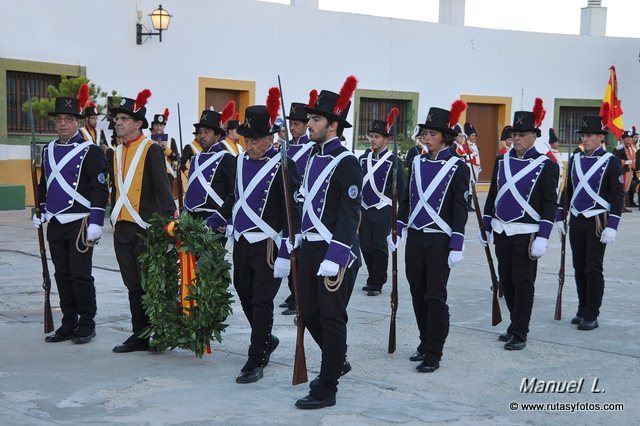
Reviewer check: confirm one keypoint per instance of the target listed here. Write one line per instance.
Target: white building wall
(309, 48)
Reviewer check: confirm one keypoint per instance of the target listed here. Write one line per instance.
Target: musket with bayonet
(391, 118)
(46, 278)
(299, 362)
(563, 239)
(179, 160)
(496, 316)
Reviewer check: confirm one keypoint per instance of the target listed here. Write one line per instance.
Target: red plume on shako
(538, 113)
(457, 108)
(83, 96)
(391, 118)
(273, 104)
(141, 99)
(166, 115)
(346, 92)
(313, 97)
(227, 112)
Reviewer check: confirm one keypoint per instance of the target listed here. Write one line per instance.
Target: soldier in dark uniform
(90, 115)
(520, 209)
(377, 170)
(594, 188)
(299, 151)
(192, 149)
(329, 253)
(212, 172)
(140, 189)
(417, 149)
(73, 194)
(258, 213)
(168, 145)
(434, 212)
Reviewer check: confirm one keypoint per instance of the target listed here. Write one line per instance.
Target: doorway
(488, 114)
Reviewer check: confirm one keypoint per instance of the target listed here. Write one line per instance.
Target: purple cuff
(338, 253)
(487, 223)
(559, 214)
(545, 229)
(282, 251)
(456, 242)
(613, 222)
(43, 208)
(96, 216)
(215, 221)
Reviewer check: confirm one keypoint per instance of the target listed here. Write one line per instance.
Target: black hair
(448, 138)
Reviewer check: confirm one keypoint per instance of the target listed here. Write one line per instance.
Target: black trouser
(517, 275)
(324, 314)
(375, 226)
(73, 277)
(129, 245)
(291, 299)
(427, 271)
(588, 255)
(256, 288)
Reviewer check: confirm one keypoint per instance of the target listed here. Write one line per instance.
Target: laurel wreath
(169, 327)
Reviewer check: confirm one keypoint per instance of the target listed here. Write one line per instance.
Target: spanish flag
(615, 109)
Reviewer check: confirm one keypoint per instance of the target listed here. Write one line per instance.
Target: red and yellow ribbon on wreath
(187, 275)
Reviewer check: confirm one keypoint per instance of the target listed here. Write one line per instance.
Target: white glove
(328, 269)
(229, 232)
(484, 243)
(94, 232)
(393, 247)
(539, 247)
(38, 221)
(559, 226)
(455, 257)
(628, 162)
(296, 243)
(281, 268)
(608, 236)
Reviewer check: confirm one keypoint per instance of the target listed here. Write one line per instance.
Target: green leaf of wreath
(170, 328)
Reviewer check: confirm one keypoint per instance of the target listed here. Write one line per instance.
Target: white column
(451, 12)
(593, 19)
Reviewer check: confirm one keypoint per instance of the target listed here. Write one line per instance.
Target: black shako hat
(65, 105)
(469, 129)
(135, 108)
(334, 106)
(592, 124)
(526, 121)
(211, 120)
(297, 112)
(91, 110)
(257, 123)
(506, 133)
(233, 124)
(444, 120)
(552, 136)
(379, 126)
(161, 118)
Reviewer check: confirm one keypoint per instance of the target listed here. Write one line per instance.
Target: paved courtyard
(477, 383)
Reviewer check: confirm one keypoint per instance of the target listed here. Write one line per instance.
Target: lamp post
(160, 20)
